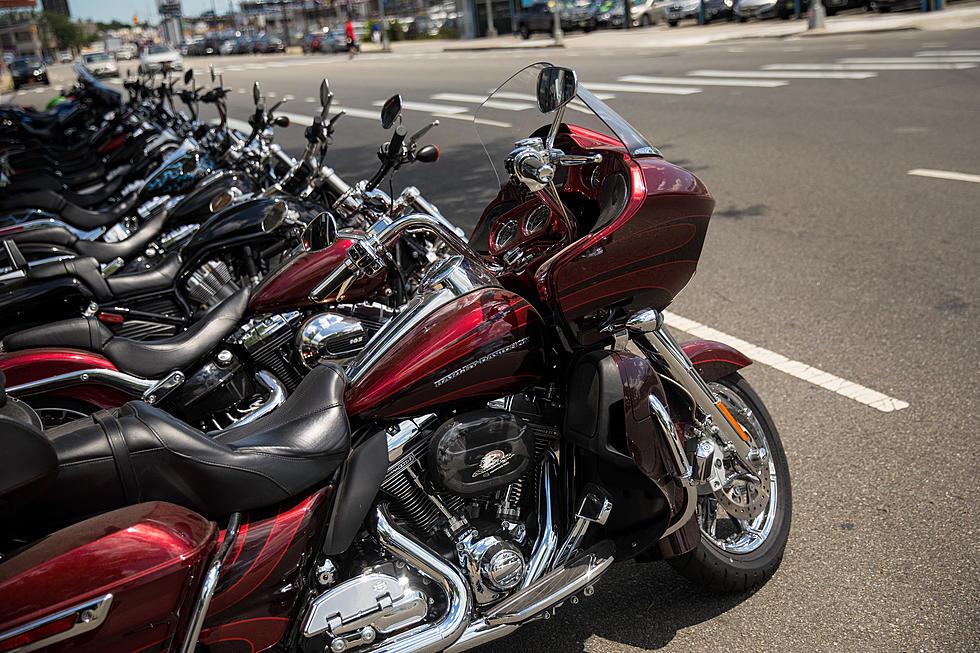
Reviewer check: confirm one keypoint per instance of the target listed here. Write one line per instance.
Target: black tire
(672, 23)
(55, 411)
(743, 19)
(645, 21)
(709, 566)
(525, 32)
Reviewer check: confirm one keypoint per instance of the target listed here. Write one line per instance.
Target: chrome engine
(211, 283)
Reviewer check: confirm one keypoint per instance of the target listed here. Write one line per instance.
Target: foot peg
(593, 509)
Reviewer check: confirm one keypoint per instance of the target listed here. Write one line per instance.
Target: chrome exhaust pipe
(438, 636)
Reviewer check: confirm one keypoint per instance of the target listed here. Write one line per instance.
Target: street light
(556, 31)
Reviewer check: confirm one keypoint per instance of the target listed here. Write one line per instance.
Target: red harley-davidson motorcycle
(525, 421)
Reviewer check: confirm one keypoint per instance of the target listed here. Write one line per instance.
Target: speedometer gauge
(505, 235)
(537, 219)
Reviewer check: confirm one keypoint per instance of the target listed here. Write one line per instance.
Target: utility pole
(556, 31)
(491, 28)
(817, 15)
(285, 23)
(385, 44)
(627, 14)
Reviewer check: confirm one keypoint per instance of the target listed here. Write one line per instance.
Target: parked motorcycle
(525, 421)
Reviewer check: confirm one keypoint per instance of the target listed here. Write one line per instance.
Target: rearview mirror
(189, 75)
(556, 88)
(320, 233)
(324, 93)
(256, 92)
(390, 111)
(211, 68)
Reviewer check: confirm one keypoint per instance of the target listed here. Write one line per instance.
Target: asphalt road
(822, 249)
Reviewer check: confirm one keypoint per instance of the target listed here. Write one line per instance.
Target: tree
(66, 34)
(115, 24)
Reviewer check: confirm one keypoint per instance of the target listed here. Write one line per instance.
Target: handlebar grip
(395, 145)
(333, 180)
(332, 283)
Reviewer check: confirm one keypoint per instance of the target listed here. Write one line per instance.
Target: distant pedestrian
(376, 33)
(352, 46)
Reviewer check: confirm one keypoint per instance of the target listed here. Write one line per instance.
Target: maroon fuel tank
(289, 287)
(484, 344)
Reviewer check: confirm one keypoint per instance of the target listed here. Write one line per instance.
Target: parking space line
(802, 371)
(948, 53)
(788, 74)
(869, 66)
(913, 60)
(448, 109)
(659, 90)
(944, 174)
(480, 99)
(761, 83)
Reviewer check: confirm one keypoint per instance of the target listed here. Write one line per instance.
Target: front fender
(714, 360)
(29, 365)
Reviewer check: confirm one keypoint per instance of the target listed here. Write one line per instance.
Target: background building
(56, 7)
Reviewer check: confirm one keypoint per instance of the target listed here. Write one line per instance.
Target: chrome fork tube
(437, 636)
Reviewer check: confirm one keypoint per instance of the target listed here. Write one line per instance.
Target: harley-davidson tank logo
(480, 361)
(491, 462)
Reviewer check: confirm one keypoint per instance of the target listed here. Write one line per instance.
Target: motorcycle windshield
(511, 113)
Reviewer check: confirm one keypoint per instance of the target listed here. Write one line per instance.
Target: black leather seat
(28, 465)
(88, 271)
(139, 453)
(52, 202)
(100, 250)
(149, 359)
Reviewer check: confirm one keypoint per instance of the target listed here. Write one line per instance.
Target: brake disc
(743, 493)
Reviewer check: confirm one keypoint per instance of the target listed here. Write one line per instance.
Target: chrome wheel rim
(719, 529)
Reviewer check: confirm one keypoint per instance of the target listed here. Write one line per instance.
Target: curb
(812, 33)
(486, 48)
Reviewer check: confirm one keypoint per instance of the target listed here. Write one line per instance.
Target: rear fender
(30, 365)
(714, 360)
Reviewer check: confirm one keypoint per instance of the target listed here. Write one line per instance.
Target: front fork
(712, 421)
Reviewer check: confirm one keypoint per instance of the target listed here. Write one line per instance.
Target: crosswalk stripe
(914, 60)
(448, 109)
(660, 90)
(762, 83)
(507, 95)
(788, 74)
(944, 174)
(479, 99)
(869, 66)
(948, 53)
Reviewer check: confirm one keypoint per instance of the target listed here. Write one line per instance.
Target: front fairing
(181, 170)
(195, 206)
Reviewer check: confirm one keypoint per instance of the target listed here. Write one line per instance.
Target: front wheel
(740, 554)
(672, 23)
(525, 32)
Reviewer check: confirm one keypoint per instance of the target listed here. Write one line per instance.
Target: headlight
(729, 3)
(38, 71)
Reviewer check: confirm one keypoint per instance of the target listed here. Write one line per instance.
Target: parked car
(100, 64)
(65, 57)
(675, 12)
(126, 52)
(745, 9)
(28, 69)
(421, 27)
(315, 42)
(539, 18)
(156, 58)
(883, 6)
(265, 44)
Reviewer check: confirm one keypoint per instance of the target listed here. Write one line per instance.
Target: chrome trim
(547, 542)
(277, 395)
(163, 387)
(89, 615)
(555, 587)
(437, 636)
(401, 434)
(113, 378)
(200, 608)
(479, 633)
(594, 508)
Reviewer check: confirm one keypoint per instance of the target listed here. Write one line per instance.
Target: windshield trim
(636, 144)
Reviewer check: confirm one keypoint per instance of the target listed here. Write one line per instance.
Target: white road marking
(945, 174)
(39, 90)
(240, 125)
(761, 83)
(869, 66)
(427, 107)
(808, 373)
(234, 69)
(479, 99)
(913, 60)
(736, 50)
(789, 74)
(855, 46)
(309, 100)
(507, 95)
(271, 94)
(660, 90)
(287, 97)
(241, 91)
(367, 114)
(255, 66)
(948, 53)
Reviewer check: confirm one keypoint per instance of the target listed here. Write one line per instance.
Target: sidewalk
(958, 17)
